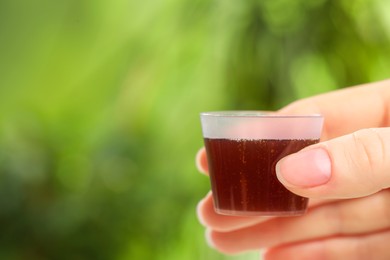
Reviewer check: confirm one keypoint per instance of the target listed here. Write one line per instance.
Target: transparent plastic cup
(243, 148)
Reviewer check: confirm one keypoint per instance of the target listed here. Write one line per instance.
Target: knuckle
(385, 201)
(335, 218)
(379, 207)
(362, 250)
(370, 149)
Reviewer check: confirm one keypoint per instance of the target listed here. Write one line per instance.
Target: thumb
(350, 166)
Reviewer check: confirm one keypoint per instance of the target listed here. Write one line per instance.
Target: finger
(368, 246)
(209, 218)
(318, 202)
(351, 166)
(223, 223)
(346, 217)
(348, 110)
(201, 161)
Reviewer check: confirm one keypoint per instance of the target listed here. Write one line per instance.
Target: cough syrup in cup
(243, 148)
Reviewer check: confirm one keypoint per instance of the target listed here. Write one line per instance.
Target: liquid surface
(243, 177)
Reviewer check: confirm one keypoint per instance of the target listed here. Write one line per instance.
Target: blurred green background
(100, 102)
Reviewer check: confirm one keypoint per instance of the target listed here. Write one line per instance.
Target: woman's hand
(346, 175)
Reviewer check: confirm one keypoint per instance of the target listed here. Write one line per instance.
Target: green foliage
(99, 104)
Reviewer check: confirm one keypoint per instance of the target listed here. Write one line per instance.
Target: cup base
(260, 213)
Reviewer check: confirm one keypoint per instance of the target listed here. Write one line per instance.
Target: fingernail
(308, 168)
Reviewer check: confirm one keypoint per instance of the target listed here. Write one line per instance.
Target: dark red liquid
(243, 178)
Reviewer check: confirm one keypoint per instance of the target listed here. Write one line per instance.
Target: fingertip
(201, 161)
(199, 213)
(209, 238)
(203, 209)
(264, 254)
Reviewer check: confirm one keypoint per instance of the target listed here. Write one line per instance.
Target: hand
(347, 176)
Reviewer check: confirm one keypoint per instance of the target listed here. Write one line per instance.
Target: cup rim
(256, 114)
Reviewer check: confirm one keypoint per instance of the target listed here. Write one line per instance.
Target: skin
(349, 209)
